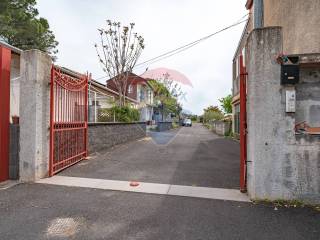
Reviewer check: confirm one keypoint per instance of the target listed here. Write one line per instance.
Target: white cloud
(165, 25)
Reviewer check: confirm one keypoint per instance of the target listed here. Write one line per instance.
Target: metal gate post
(51, 123)
(5, 62)
(243, 126)
(86, 109)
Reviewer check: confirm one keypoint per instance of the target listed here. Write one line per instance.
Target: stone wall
(281, 164)
(102, 136)
(164, 126)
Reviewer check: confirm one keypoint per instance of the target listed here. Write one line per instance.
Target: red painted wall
(5, 61)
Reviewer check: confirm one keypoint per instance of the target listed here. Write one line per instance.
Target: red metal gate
(243, 126)
(68, 119)
(5, 61)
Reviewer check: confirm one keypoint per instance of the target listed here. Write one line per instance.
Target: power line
(174, 53)
(164, 57)
(184, 47)
(189, 45)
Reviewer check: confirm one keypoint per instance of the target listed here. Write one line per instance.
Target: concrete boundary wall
(102, 136)
(221, 127)
(281, 165)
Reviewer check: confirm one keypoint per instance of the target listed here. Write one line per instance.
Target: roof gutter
(242, 35)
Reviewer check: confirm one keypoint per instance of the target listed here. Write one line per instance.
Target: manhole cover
(64, 227)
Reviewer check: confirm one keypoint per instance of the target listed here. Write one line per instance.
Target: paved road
(187, 156)
(191, 156)
(38, 211)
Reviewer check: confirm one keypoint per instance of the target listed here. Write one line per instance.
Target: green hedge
(122, 114)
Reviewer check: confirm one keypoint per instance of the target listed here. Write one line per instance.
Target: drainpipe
(257, 13)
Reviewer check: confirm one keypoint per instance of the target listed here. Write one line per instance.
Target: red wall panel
(5, 61)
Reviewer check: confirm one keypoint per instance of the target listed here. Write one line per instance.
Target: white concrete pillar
(265, 115)
(34, 115)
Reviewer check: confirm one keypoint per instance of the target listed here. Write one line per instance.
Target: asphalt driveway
(191, 156)
(39, 211)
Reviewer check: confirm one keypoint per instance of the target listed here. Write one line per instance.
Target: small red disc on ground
(134, 184)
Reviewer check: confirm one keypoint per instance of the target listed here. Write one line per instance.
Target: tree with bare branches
(119, 50)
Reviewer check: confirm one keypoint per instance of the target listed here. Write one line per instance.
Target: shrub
(126, 114)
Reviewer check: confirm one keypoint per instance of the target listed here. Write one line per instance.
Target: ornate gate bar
(68, 119)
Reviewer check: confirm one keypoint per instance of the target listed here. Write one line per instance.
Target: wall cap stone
(114, 123)
(255, 30)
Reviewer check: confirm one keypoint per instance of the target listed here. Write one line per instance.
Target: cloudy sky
(165, 25)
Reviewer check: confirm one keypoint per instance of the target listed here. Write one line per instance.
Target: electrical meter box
(290, 74)
(290, 101)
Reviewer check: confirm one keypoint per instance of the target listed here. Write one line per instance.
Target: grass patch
(280, 203)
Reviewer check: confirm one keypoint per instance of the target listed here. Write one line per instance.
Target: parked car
(187, 122)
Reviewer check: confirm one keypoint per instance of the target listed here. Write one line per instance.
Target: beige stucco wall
(300, 21)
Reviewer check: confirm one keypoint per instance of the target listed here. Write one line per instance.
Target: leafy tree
(21, 27)
(166, 94)
(212, 113)
(226, 104)
(173, 87)
(194, 118)
(212, 109)
(118, 53)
